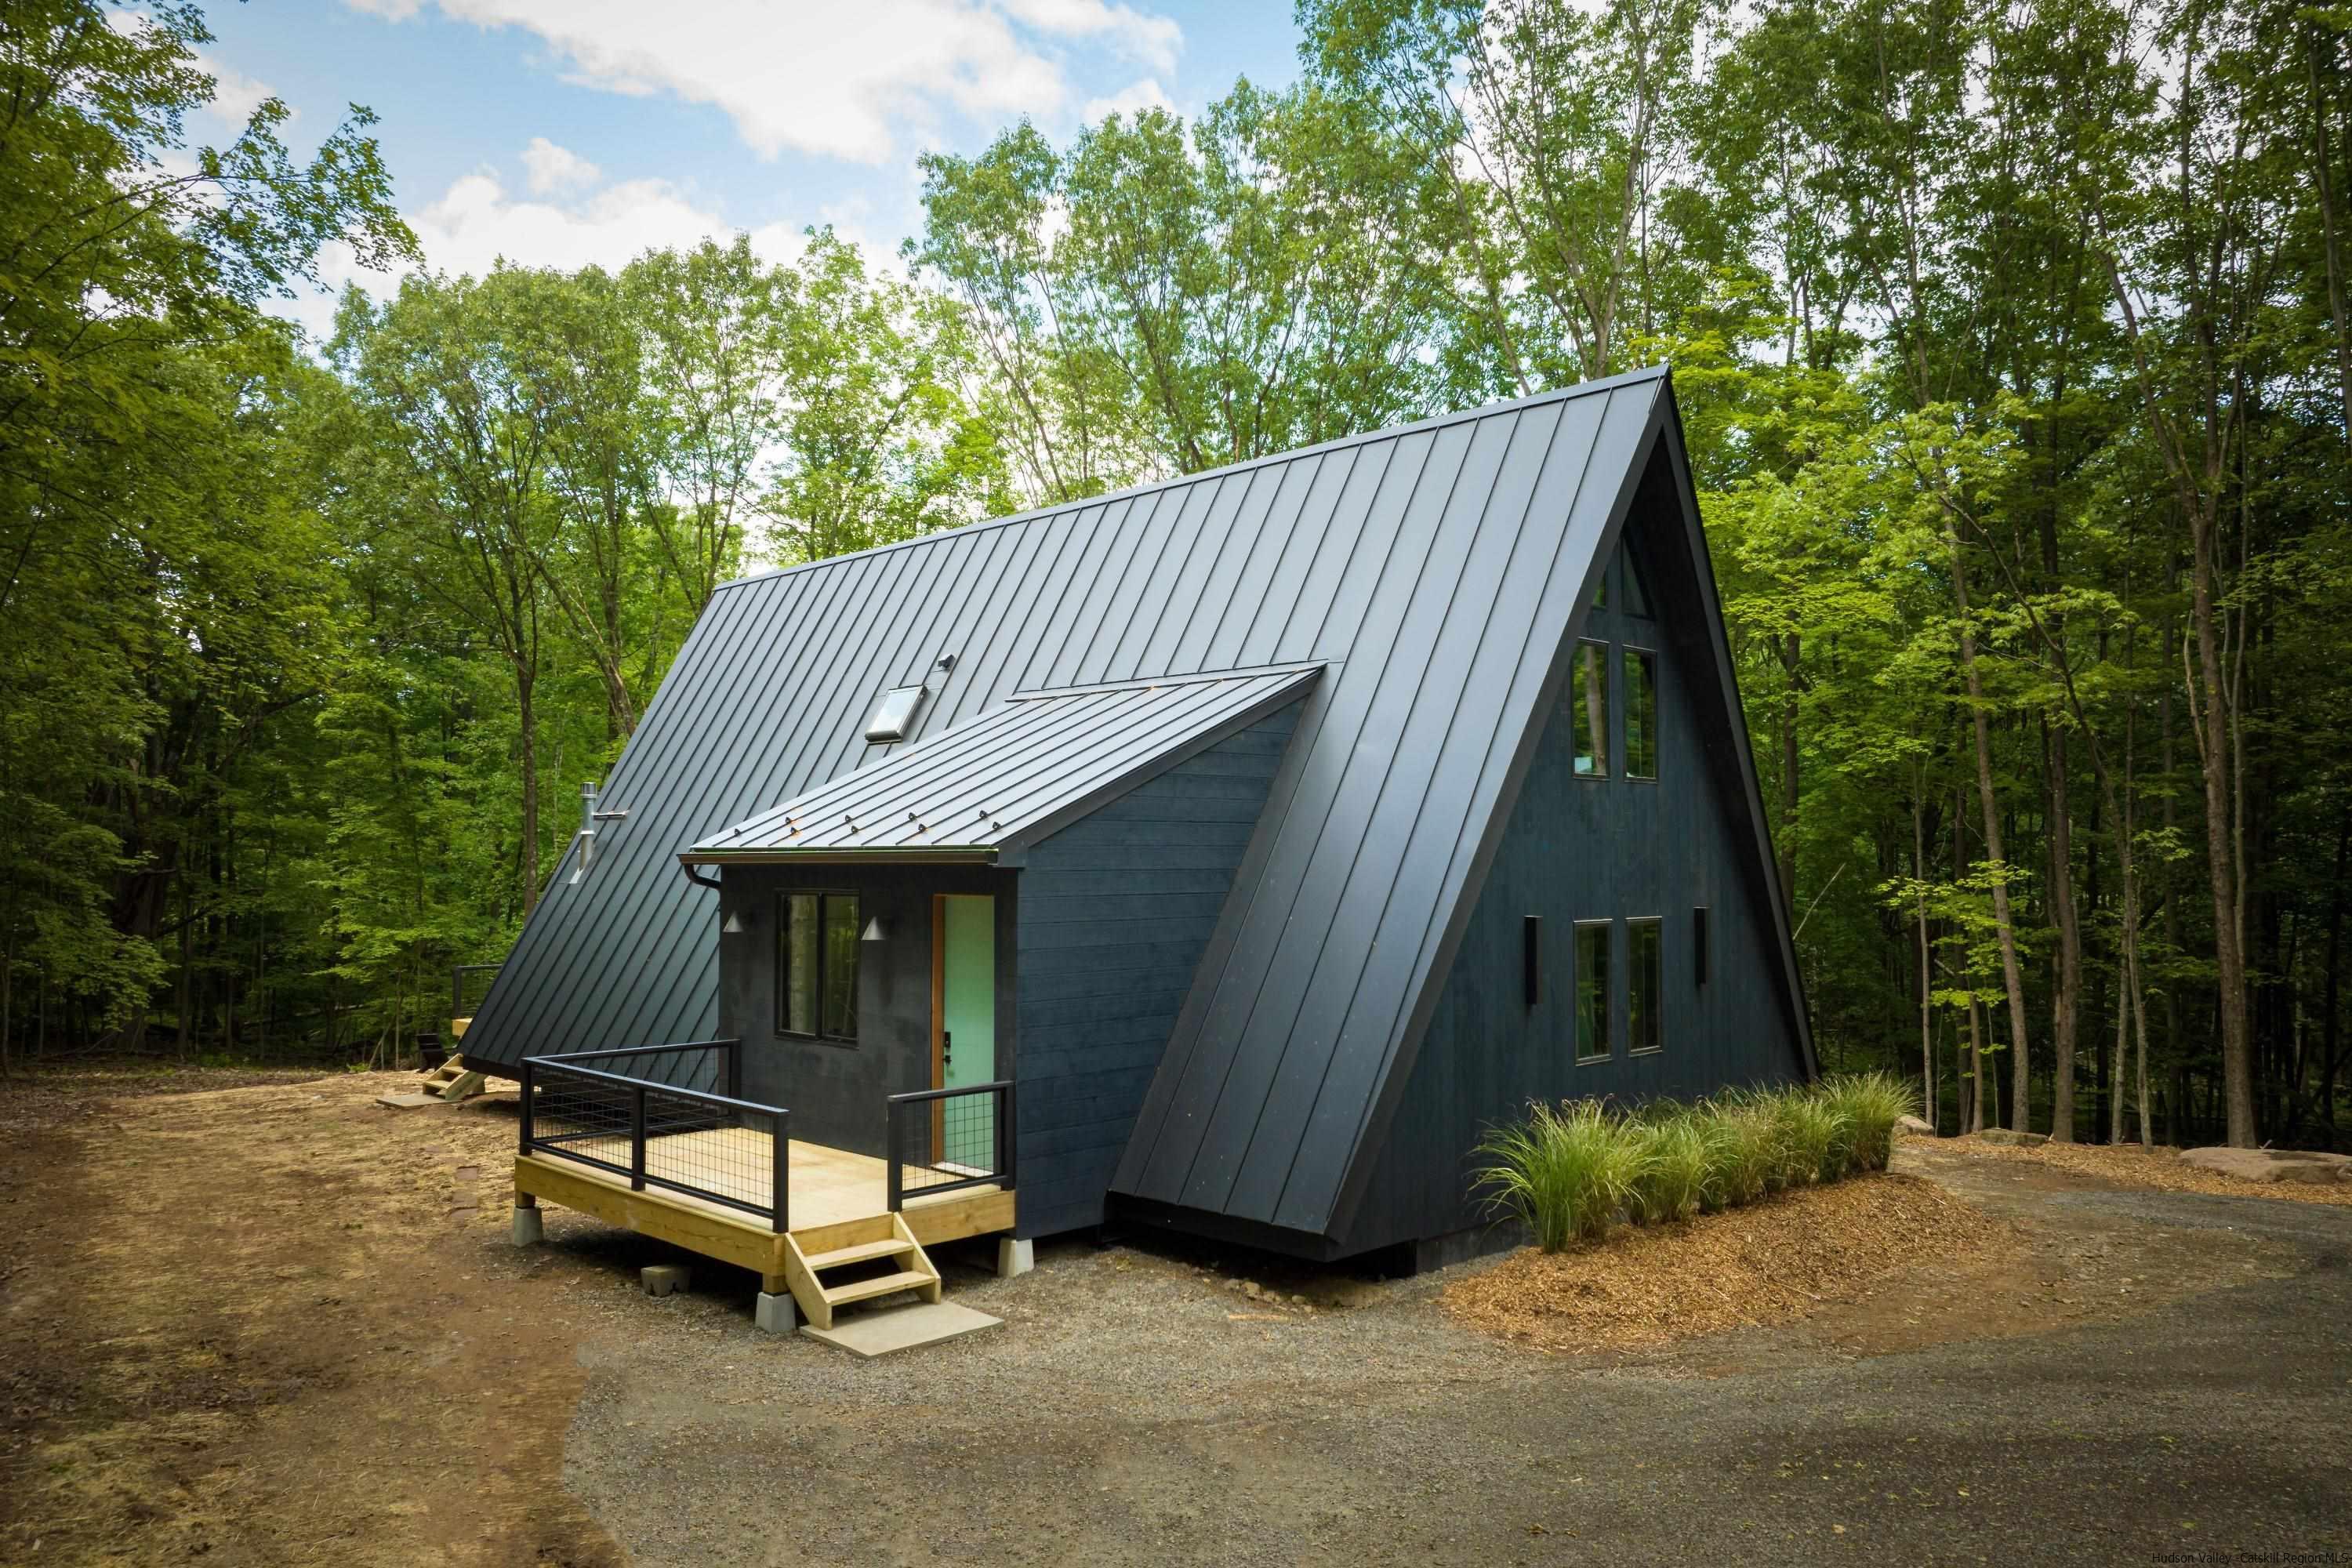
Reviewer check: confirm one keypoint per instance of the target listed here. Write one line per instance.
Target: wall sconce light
(736, 925)
(876, 930)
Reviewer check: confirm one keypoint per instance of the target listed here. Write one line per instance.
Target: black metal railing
(468, 983)
(671, 1117)
(941, 1139)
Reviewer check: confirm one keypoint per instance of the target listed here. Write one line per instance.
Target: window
(1591, 989)
(1641, 714)
(1587, 708)
(1645, 1029)
(894, 715)
(817, 966)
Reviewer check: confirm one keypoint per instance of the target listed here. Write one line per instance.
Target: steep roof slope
(1433, 570)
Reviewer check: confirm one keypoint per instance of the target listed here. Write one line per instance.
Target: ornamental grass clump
(1871, 1104)
(1670, 1179)
(1570, 1171)
(1565, 1171)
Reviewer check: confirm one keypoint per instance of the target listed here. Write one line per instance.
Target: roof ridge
(1662, 370)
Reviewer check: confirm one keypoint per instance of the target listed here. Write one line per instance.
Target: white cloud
(836, 79)
(1126, 100)
(553, 168)
(235, 94)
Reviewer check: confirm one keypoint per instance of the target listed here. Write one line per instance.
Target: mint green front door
(967, 1127)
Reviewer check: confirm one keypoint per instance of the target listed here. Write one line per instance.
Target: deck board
(829, 1189)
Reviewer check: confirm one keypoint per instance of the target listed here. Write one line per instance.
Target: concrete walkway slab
(870, 1334)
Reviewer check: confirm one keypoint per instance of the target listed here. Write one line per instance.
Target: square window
(817, 966)
(1587, 708)
(1645, 977)
(1591, 989)
(1641, 714)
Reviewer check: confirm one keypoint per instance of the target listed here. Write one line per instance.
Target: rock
(2272, 1165)
(1916, 1127)
(2009, 1138)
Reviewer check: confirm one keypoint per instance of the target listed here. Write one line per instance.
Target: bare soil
(259, 1325)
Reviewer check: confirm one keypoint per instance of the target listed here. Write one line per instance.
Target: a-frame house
(1222, 855)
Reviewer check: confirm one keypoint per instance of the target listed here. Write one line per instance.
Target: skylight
(894, 715)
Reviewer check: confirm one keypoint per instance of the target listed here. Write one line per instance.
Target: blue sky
(564, 131)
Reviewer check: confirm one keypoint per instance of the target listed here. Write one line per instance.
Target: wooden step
(887, 1285)
(889, 1246)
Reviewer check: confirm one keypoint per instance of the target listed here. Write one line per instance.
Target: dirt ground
(277, 1324)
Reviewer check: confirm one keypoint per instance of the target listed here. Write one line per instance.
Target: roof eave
(898, 854)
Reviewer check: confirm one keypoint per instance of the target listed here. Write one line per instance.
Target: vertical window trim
(1629, 652)
(1577, 933)
(1656, 925)
(1603, 740)
(817, 1034)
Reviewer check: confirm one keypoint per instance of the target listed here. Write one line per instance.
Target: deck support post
(777, 1313)
(1015, 1257)
(529, 1226)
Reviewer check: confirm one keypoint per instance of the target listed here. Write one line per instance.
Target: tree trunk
(1926, 976)
(2066, 1006)
(529, 715)
(2012, 978)
(2210, 716)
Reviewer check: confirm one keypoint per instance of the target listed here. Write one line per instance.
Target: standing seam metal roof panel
(1433, 569)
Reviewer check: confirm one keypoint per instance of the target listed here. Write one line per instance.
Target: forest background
(2011, 341)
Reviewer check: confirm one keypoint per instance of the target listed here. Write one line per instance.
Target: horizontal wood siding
(1115, 913)
(1583, 848)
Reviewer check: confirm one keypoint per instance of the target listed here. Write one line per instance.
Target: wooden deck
(835, 1198)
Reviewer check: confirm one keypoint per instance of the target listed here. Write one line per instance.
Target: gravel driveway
(1135, 1408)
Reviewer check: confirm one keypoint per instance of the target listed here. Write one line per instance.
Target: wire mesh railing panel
(609, 1110)
(469, 986)
(944, 1140)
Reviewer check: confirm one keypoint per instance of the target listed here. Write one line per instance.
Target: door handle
(947, 1047)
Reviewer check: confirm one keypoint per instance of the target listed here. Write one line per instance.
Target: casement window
(1587, 708)
(1591, 958)
(1641, 713)
(817, 966)
(1645, 973)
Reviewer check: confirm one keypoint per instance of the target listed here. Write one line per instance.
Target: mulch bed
(1768, 1263)
(2129, 1165)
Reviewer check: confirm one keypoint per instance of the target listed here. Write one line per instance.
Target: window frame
(1657, 925)
(1578, 930)
(784, 979)
(1631, 651)
(1608, 704)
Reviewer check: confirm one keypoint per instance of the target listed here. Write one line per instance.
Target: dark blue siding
(1582, 848)
(1115, 912)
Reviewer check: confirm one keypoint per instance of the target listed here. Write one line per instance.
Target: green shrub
(1565, 1171)
(1670, 1180)
(1871, 1103)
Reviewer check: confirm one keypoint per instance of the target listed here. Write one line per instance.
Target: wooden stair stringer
(860, 1241)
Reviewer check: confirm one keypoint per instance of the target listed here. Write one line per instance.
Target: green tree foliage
(2013, 345)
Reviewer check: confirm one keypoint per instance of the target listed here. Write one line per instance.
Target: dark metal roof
(1436, 569)
(1018, 773)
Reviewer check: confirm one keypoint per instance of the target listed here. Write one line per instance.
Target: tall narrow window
(1587, 708)
(1591, 989)
(1641, 714)
(817, 966)
(1645, 986)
